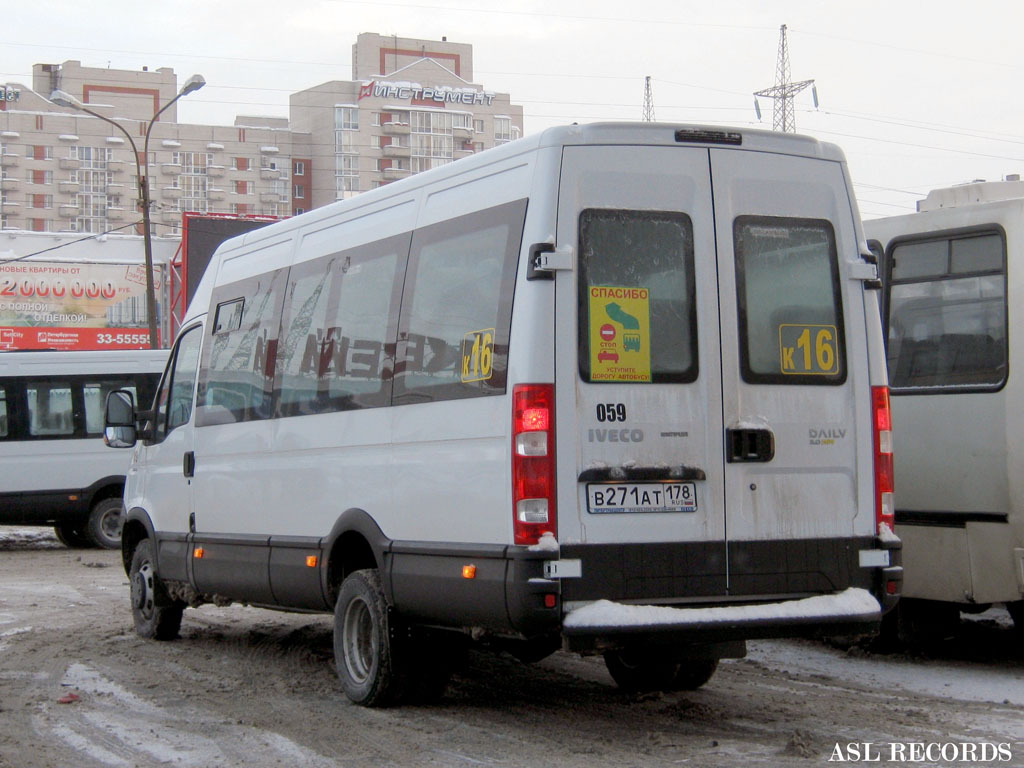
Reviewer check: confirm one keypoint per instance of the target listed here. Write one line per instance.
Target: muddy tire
(693, 673)
(73, 537)
(105, 522)
(368, 660)
(640, 672)
(156, 615)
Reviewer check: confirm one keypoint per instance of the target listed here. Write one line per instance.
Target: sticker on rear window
(477, 355)
(620, 334)
(808, 349)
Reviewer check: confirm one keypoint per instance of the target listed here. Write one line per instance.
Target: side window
(177, 389)
(457, 307)
(50, 411)
(789, 301)
(340, 322)
(637, 297)
(95, 393)
(947, 312)
(3, 413)
(237, 379)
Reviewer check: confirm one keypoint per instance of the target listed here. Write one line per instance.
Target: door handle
(749, 445)
(188, 464)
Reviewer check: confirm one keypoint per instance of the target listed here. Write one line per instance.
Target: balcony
(117, 166)
(462, 133)
(270, 197)
(170, 169)
(68, 187)
(170, 217)
(69, 164)
(69, 211)
(215, 171)
(215, 193)
(10, 182)
(270, 174)
(397, 129)
(460, 153)
(396, 173)
(394, 150)
(115, 214)
(172, 193)
(11, 160)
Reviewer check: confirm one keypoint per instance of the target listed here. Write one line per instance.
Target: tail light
(884, 512)
(533, 462)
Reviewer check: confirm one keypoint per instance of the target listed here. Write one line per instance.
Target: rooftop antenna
(648, 101)
(783, 114)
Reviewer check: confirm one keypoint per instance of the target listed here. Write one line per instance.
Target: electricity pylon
(783, 114)
(648, 102)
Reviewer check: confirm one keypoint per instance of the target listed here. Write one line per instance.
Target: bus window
(95, 394)
(49, 409)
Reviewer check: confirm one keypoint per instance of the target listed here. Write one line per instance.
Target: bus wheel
(156, 615)
(364, 652)
(693, 673)
(72, 536)
(105, 522)
(1016, 610)
(638, 671)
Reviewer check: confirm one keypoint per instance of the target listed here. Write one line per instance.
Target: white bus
(952, 269)
(615, 388)
(54, 468)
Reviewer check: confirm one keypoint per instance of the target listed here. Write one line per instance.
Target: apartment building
(411, 105)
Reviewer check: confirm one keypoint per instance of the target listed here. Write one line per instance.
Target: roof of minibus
(634, 133)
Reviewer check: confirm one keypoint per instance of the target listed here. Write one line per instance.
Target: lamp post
(64, 99)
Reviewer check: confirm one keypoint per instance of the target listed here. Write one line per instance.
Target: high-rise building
(411, 105)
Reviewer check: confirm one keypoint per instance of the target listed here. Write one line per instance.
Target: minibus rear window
(789, 302)
(637, 297)
(947, 313)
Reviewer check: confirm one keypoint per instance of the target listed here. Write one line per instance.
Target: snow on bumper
(849, 608)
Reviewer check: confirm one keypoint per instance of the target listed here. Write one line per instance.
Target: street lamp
(64, 99)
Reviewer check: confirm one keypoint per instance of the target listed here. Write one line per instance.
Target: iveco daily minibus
(952, 269)
(614, 388)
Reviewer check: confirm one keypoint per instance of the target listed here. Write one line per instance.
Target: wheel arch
(355, 542)
(137, 526)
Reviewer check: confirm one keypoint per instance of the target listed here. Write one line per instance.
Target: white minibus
(54, 468)
(617, 389)
(951, 270)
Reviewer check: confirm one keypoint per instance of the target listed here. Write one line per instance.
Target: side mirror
(119, 430)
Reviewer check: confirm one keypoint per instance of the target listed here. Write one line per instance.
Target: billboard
(72, 306)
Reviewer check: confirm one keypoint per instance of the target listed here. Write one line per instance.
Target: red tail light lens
(533, 462)
(884, 511)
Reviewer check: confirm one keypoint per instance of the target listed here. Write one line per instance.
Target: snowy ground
(247, 687)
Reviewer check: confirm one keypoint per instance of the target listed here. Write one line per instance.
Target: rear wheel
(105, 522)
(639, 671)
(156, 615)
(693, 673)
(365, 655)
(72, 536)
(1016, 610)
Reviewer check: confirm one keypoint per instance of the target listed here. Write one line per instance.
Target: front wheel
(105, 522)
(364, 652)
(156, 615)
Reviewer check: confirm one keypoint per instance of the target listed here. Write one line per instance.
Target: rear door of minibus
(706, 403)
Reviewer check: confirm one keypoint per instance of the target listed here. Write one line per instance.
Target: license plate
(619, 498)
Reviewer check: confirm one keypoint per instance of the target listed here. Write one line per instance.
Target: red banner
(73, 338)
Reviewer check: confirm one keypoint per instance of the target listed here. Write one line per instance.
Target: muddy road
(249, 687)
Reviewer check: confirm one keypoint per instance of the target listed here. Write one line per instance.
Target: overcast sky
(918, 94)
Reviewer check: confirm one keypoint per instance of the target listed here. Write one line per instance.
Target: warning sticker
(620, 334)
(808, 349)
